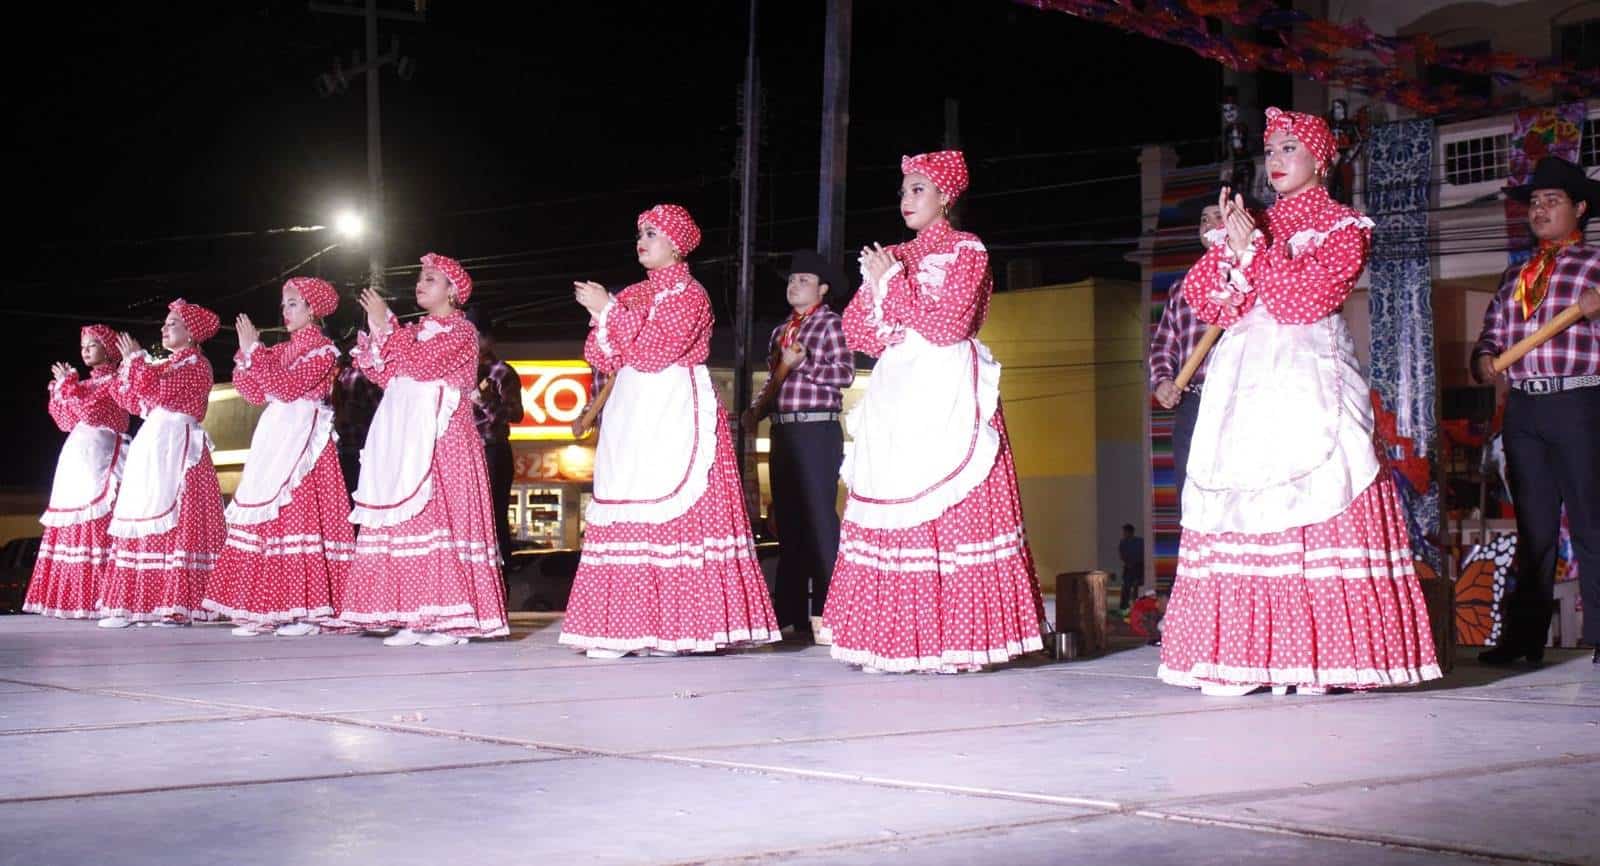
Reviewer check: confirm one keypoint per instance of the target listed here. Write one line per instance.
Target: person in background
(496, 405)
(1131, 551)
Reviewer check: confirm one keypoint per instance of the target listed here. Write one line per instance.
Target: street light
(349, 225)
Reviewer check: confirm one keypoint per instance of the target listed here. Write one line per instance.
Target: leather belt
(1554, 384)
(803, 417)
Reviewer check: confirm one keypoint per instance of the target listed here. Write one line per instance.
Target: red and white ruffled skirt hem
(690, 584)
(163, 576)
(70, 569)
(957, 591)
(1333, 605)
(293, 567)
(438, 571)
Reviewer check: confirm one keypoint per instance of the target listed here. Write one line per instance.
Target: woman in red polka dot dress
(668, 562)
(934, 571)
(1294, 567)
(289, 534)
(167, 525)
(426, 557)
(74, 554)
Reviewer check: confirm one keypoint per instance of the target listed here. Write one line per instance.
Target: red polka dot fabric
(71, 567)
(676, 223)
(200, 322)
(1331, 605)
(1335, 604)
(440, 570)
(294, 566)
(946, 168)
(163, 576)
(454, 272)
(958, 591)
(319, 295)
(692, 583)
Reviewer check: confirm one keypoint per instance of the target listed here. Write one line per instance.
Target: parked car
(16, 567)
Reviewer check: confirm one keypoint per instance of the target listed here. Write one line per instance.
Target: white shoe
(598, 653)
(298, 629)
(1279, 691)
(657, 653)
(433, 638)
(245, 631)
(113, 622)
(1311, 690)
(403, 637)
(166, 623)
(1227, 690)
(871, 670)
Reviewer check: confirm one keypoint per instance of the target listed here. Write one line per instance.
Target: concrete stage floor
(159, 746)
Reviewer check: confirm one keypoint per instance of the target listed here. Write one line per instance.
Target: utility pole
(329, 83)
(749, 152)
(835, 132)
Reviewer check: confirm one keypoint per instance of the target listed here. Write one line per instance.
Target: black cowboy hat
(809, 262)
(1553, 172)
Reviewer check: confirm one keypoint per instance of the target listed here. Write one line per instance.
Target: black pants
(804, 468)
(502, 466)
(1553, 459)
(1131, 580)
(1183, 418)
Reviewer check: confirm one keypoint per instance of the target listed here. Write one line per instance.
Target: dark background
(156, 145)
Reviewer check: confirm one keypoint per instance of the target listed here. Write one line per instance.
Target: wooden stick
(592, 411)
(1191, 364)
(1563, 320)
(769, 392)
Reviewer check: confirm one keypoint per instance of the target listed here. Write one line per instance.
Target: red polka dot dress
(167, 526)
(668, 559)
(426, 556)
(1294, 565)
(934, 570)
(75, 552)
(290, 541)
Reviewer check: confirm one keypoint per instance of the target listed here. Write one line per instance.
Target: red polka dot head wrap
(320, 295)
(454, 272)
(676, 224)
(946, 168)
(200, 322)
(107, 339)
(1311, 130)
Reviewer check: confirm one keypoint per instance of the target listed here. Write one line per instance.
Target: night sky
(154, 147)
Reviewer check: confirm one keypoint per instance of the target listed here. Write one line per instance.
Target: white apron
(1284, 435)
(88, 473)
(166, 448)
(657, 444)
(288, 441)
(922, 435)
(396, 462)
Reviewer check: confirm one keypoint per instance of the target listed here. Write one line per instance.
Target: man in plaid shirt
(1175, 338)
(807, 441)
(1553, 410)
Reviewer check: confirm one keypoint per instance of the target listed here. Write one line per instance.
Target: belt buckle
(1540, 385)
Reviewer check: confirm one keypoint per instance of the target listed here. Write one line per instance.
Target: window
(1475, 160)
(1589, 148)
(1578, 43)
(1470, 85)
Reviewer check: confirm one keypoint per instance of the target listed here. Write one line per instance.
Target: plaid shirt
(1175, 337)
(355, 401)
(499, 401)
(1573, 352)
(828, 367)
